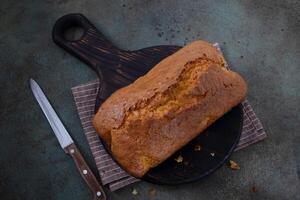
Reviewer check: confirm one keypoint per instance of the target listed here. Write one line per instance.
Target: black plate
(217, 143)
(117, 68)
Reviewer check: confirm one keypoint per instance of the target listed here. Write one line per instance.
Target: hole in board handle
(73, 33)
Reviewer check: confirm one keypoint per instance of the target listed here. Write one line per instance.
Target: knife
(66, 142)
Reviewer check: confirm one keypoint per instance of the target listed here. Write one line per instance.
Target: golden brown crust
(147, 121)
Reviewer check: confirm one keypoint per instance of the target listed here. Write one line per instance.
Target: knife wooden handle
(86, 173)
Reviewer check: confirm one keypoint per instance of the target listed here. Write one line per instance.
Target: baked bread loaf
(147, 121)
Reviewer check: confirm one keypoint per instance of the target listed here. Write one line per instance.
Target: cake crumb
(134, 192)
(179, 159)
(253, 189)
(152, 192)
(197, 147)
(212, 154)
(233, 165)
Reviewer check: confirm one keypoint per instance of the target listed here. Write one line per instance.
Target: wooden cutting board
(117, 68)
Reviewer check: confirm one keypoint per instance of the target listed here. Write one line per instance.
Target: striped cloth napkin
(110, 172)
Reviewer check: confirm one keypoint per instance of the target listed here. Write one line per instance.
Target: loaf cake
(147, 121)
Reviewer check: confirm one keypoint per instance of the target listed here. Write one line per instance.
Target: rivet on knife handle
(86, 173)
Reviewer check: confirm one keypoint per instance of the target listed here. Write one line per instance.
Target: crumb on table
(134, 192)
(254, 189)
(233, 165)
(152, 192)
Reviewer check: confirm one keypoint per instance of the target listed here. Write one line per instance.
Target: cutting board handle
(92, 47)
(115, 67)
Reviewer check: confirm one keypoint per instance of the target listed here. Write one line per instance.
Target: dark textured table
(261, 40)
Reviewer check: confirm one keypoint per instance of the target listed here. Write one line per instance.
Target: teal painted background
(261, 40)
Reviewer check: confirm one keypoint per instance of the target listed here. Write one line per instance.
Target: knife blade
(66, 141)
(57, 126)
